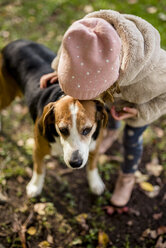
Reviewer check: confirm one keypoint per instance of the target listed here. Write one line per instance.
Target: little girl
(118, 58)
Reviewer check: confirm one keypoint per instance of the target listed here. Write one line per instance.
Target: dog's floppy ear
(101, 113)
(46, 123)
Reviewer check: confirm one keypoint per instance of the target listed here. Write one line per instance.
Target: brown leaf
(157, 216)
(20, 179)
(161, 230)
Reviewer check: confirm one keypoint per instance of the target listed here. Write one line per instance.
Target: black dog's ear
(101, 113)
(46, 123)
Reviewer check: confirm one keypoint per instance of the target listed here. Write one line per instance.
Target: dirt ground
(67, 214)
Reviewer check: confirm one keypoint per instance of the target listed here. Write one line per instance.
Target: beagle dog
(62, 124)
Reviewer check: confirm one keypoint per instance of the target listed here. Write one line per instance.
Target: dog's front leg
(41, 148)
(95, 182)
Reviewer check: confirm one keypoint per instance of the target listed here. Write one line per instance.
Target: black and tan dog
(61, 122)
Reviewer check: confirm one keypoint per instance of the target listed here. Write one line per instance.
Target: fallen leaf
(152, 9)
(162, 16)
(159, 132)
(23, 208)
(3, 198)
(103, 239)
(44, 244)
(81, 219)
(146, 186)
(4, 34)
(141, 177)
(134, 211)
(157, 216)
(50, 239)
(20, 179)
(154, 168)
(149, 233)
(30, 143)
(28, 171)
(31, 230)
(130, 223)
(51, 165)
(88, 8)
(154, 193)
(20, 143)
(132, 1)
(160, 243)
(76, 241)
(161, 230)
(39, 208)
(103, 159)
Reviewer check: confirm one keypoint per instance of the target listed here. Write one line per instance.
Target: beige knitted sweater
(142, 76)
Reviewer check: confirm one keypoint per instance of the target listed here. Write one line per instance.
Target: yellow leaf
(103, 159)
(103, 239)
(31, 230)
(44, 244)
(147, 186)
(81, 217)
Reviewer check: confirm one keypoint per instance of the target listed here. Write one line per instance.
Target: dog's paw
(33, 190)
(34, 187)
(96, 184)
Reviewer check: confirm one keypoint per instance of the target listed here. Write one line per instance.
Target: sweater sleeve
(149, 112)
(55, 61)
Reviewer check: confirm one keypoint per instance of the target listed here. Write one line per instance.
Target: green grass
(46, 21)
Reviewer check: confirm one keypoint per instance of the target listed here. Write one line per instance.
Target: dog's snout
(76, 160)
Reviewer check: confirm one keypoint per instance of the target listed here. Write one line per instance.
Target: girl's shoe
(123, 189)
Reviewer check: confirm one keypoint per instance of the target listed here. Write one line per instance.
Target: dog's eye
(86, 131)
(64, 131)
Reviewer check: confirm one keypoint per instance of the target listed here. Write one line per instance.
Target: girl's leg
(133, 148)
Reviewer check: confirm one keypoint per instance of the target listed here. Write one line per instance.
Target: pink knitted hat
(90, 58)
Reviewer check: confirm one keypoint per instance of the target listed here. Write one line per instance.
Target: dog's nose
(76, 160)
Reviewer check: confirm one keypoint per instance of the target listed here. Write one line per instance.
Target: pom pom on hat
(90, 58)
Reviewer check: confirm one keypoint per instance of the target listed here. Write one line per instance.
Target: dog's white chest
(56, 148)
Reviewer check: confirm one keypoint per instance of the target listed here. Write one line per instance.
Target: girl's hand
(125, 114)
(52, 77)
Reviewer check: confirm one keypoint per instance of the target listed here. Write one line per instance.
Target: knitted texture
(90, 58)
